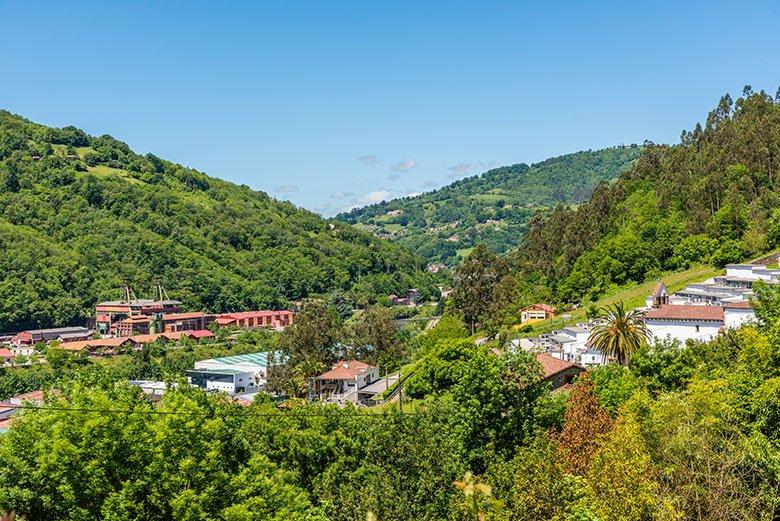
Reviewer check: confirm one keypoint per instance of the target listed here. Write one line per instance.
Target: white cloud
(286, 189)
(376, 196)
(341, 195)
(464, 169)
(394, 177)
(322, 207)
(404, 166)
(369, 159)
(461, 169)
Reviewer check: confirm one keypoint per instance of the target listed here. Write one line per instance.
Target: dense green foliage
(80, 214)
(493, 208)
(682, 432)
(714, 198)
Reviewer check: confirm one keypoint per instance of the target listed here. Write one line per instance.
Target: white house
(685, 322)
(345, 379)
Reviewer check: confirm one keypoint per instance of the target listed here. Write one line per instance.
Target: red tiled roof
(552, 366)
(686, 312)
(183, 316)
(345, 370)
(544, 307)
(146, 339)
(241, 315)
(741, 304)
(201, 333)
(6, 353)
(95, 343)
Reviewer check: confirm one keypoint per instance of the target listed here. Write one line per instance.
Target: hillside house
(559, 373)
(412, 298)
(6, 356)
(256, 319)
(344, 380)
(536, 312)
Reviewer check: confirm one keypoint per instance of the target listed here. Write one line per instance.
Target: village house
(536, 312)
(343, 381)
(412, 298)
(256, 319)
(6, 356)
(560, 373)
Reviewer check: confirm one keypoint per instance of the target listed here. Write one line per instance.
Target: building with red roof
(344, 379)
(535, 312)
(256, 319)
(6, 356)
(685, 322)
(559, 373)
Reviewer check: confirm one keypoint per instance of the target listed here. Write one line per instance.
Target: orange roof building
(345, 379)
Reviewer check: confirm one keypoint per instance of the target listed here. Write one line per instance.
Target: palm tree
(619, 333)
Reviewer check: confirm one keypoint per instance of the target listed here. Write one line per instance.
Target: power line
(245, 412)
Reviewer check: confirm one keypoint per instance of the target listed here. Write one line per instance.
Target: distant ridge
(79, 215)
(494, 208)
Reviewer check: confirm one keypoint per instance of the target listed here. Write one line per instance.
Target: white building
(685, 322)
(345, 379)
(234, 374)
(737, 314)
(571, 345)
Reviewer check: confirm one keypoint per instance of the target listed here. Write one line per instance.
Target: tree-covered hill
(81, 214)
(713, 198)
(493, 208)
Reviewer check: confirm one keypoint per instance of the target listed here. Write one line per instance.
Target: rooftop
(686, 312)
(258, 359)
(232, 372)
(552, 366)
(348, 370)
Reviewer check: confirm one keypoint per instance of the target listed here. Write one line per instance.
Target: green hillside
(80, 214)
(714, 198)
(493, 208)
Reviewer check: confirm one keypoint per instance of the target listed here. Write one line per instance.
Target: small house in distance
(412, 298)
(558, 372)
(344, 380)
(536, 312)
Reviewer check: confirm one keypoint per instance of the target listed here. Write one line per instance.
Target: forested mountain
(713, 198)
(493, 208)
(80, 214)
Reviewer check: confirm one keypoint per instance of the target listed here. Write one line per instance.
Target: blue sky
(335, 104)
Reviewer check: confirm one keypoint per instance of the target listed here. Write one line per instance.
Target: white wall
(683, 330)
(736, 317)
